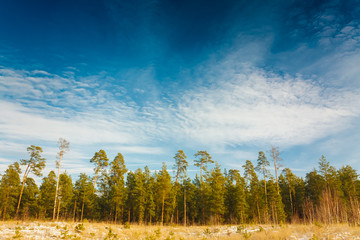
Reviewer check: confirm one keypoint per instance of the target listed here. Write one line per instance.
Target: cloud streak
(262, 107)
(249, 107)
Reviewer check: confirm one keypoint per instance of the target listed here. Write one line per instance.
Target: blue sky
(146, 78)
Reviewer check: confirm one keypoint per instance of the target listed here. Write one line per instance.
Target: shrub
(17, 232)
(158, 232)
(111, 235)
(127, 225)
(79, 228)
(207, 231)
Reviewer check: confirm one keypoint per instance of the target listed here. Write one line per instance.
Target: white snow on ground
(33, 230)
(66, 230)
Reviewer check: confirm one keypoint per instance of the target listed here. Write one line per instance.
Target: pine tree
(47, 194)
(330, 176)
(104, 203)
(349, 181)
(64, 147)
(288, 185)
(180, 166)
(9, 188)
(140, 195)
(204, 159)
(216, 182)
(193, 199)
(101, 161)
(117, 172)
(84, 195)
(163, 182)
(254, 195)
(275, 155)
(262, 163)
(236, 205)
(149, 195)
(299, 197)
(34, 165)
(329, 209)
(275, 203)
(65, 195)
(30, 199)
(315, 184)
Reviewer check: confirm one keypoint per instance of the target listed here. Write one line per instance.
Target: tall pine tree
(35, 165)
(9, 190)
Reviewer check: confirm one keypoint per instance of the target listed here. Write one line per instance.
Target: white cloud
(260, 107)
(240, 105)
(248, 106)
(138, 149)
(19, 123)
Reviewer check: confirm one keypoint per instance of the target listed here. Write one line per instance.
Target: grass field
(69, 230)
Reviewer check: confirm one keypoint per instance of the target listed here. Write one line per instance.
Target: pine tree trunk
(162, 208)
(4, 213)
(257, 204)
(273, 212)
(57, 186)
(129, 216)
(115, 213)
(291, 202)
(82, 208)
(185, 207)
(202, 196)
(5, 205)
(265, 185)
(74, 211)
(21, 193)
(276, 175)
(58, 211)
(122, 214)
(266, 218)
(95, 181)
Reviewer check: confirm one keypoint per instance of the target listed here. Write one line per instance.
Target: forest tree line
(214, 196)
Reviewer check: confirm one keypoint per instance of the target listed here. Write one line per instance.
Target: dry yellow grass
(70, 230)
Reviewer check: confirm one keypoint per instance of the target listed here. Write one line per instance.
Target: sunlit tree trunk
(184, 206)
(162, 208)
(82, 207)
(22, 189)
(74, 211)
(58, 210)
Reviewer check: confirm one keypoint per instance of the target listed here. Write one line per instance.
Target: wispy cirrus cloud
(39, 107)
(260, 107)
(236, 105)
(249, 106)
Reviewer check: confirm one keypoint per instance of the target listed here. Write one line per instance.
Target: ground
(73, 230)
